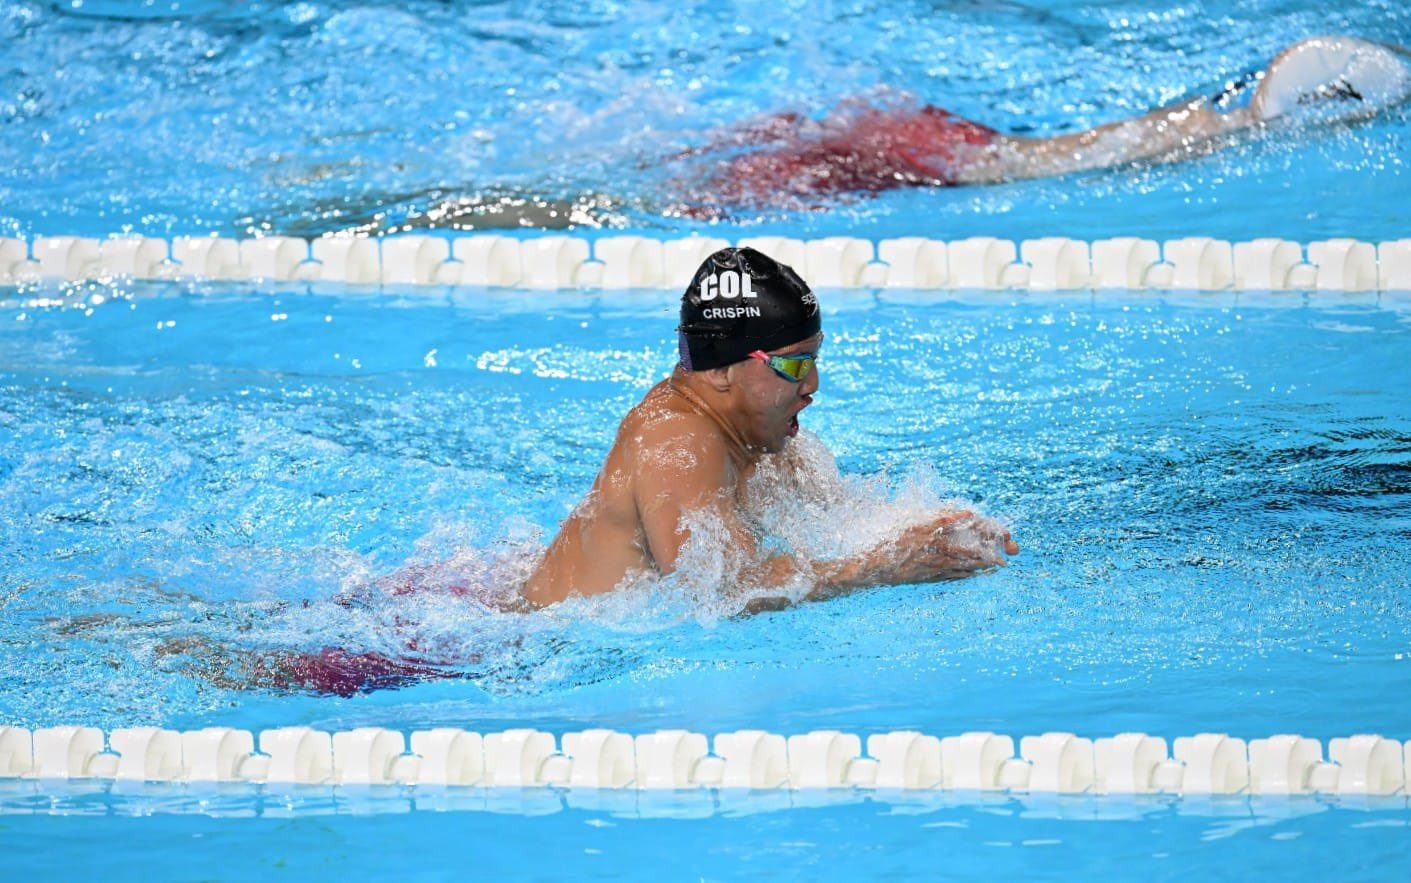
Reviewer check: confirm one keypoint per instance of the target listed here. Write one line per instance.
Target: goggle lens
(792, 368)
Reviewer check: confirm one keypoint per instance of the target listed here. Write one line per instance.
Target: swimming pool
(1211, 490)
(1200, 523)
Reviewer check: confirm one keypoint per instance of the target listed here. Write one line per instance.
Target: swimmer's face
(768, 404)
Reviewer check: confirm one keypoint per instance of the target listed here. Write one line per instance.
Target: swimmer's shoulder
(664, 424)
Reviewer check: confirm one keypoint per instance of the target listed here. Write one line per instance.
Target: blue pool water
(169, 117)
(1213, 492)
(1211, 496)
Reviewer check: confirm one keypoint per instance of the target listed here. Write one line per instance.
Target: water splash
(459, 614)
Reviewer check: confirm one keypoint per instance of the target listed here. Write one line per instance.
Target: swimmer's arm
(682, 471)
(1178, 130)
(1182, 129)
(953, 545)
(685, 470)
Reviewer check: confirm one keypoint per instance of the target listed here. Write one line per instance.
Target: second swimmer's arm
(1177, 130)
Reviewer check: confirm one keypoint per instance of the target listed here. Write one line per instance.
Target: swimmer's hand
(953, 545)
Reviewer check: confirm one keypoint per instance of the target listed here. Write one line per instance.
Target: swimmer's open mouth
(793, 425)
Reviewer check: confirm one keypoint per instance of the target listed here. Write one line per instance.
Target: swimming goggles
(792, 368)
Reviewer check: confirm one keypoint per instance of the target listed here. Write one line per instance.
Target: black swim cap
(739, 301)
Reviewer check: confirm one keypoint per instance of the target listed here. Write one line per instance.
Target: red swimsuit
(858, 149)
(344, 672)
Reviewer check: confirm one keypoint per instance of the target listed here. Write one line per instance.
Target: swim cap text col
(739, 301)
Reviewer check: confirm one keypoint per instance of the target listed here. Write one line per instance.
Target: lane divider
(1056, 763)
(622, 262)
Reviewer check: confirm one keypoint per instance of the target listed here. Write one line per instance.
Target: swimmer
(791, 161)
(749, 343)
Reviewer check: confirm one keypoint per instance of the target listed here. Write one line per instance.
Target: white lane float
(1056, 263)
(355, 260)
(1199, 263)
(551, 262)
(1127, 763)
(16, 752)
(449, 756)
(297, 755)
(1283, 764)
(517, 758)
(623, 262)
(670, 759)
(1267, 264)
(370, 756)
(823, 759)
(66, 752)
(972, 761)
(1124, 262)
(1368, 765)
(915, 262)
(134, 257)
(600, 759)
(67, 258)
(415, 260)
(274, 258)
(981, 262)
(1344, 264)
(1213, 763)
(836, 261)
(147, 754)
(216, 754)
(1393, 265)
(206, 257)
(629, 262)
(752, 759)
(1061, 763)
(489, 260)
(906, 760)
(15, 265)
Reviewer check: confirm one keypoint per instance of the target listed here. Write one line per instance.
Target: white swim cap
(1335, 77)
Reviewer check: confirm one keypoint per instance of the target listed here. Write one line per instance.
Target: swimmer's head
(751, 327)
(1334, 78)
(742, 301)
